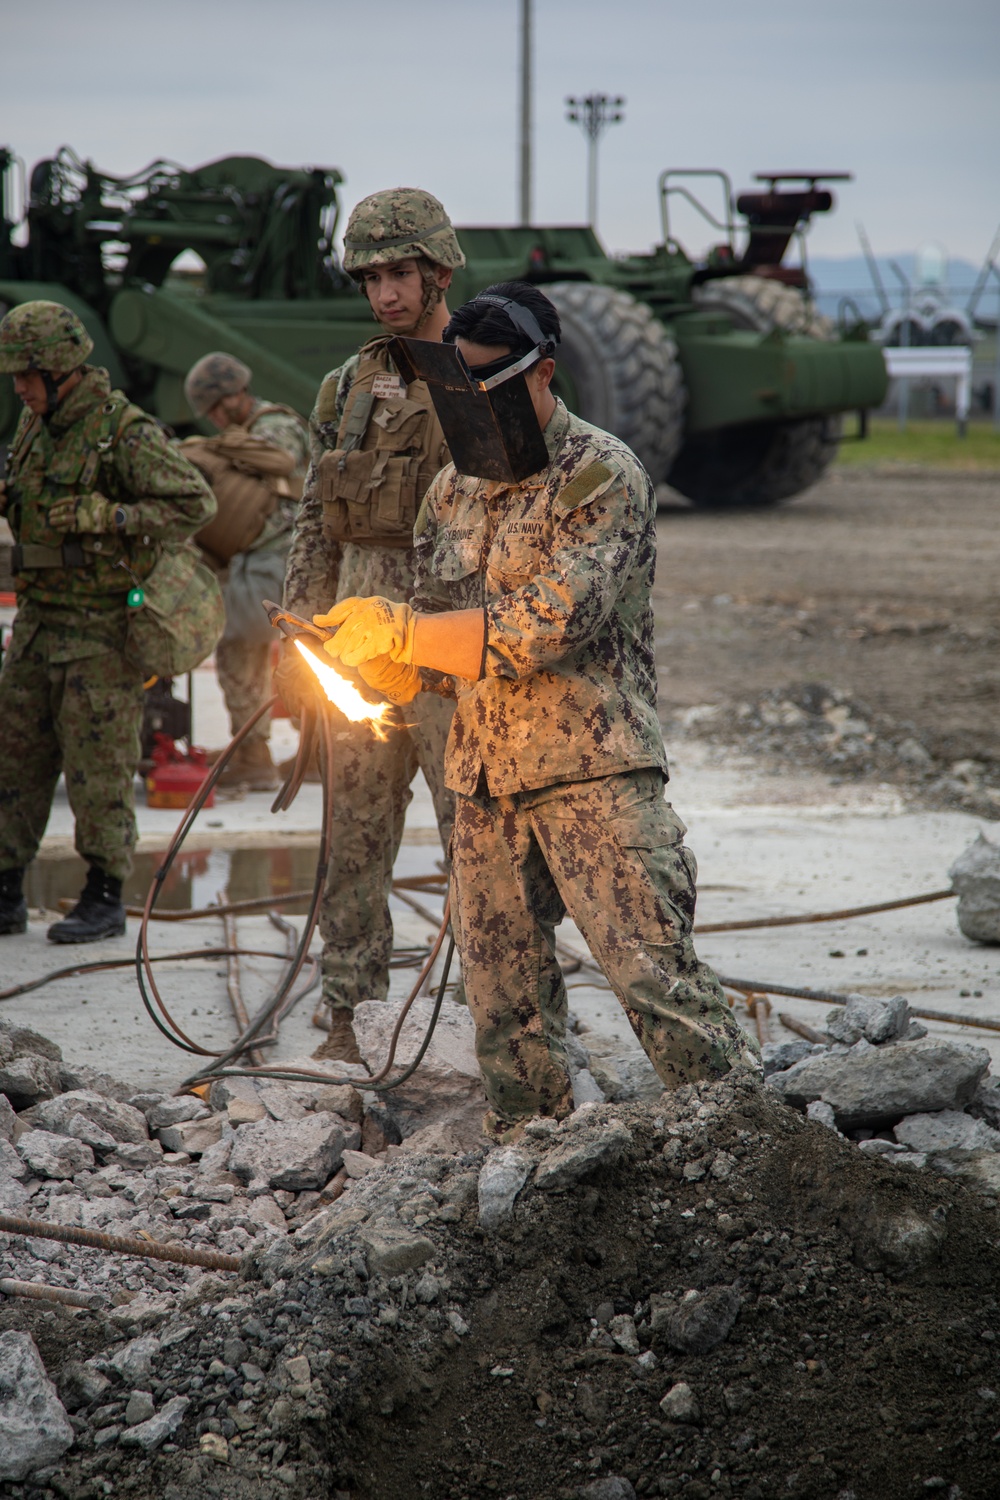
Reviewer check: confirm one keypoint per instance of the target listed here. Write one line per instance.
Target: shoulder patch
(326, 401)
(583, 485)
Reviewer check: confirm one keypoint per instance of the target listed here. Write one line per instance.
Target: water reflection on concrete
(195, 879)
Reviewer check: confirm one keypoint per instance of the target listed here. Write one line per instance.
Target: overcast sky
(903, 93)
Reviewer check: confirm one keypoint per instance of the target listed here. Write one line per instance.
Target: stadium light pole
(524, 122)
(594, 113)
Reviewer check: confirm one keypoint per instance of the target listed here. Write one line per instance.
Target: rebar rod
(73, 1234)
(42, 1292)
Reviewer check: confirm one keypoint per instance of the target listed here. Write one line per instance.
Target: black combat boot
(13, 908)
(99, 913)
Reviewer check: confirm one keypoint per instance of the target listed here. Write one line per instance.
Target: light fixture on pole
(594, 113)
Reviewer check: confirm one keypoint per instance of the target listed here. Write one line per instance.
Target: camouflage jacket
(164, 497)
(288, 431)
(563, 566)
(321, 571)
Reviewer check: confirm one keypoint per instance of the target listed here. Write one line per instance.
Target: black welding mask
(486, 412)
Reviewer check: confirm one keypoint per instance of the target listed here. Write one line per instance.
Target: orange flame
(343, 694)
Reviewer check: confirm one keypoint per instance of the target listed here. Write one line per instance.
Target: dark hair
(485, 323)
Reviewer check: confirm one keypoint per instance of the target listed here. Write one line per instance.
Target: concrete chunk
(876, 1020)
(586, 1152)
(391, 1251)
(34, 1428)
(85, 1114)
(680, 1405)
(57, 1156)
(869, 1087)
(173, 1111)
(948, 1130)
(703, 1320)
(976, 877)
(28, 1079)
(502, 1177)
(149, 1435)
(193, 1136)
(292, 1154)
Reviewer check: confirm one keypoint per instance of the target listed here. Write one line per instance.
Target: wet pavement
(766, 844)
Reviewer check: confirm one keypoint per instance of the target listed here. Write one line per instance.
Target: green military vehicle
(720, 375)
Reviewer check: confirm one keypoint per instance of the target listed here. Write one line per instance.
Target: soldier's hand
(367, 628)
(395, 680)
(293, 679)
(91, 513)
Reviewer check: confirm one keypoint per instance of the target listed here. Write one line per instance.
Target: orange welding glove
(395, 680)
(367, 628)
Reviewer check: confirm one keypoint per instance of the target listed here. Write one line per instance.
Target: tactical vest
(51, 566)
(389, 448)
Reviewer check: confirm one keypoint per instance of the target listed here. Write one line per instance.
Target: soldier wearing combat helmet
(254, 547)
(93, 489)
(376, 446)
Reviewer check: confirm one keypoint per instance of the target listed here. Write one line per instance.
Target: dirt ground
(880, 589)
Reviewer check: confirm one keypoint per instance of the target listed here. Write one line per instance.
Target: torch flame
(343, 694)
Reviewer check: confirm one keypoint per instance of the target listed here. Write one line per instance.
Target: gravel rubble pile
(815, 724)
(707, 1295)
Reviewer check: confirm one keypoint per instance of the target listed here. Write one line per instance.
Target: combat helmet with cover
(43, 336)
(213, 377)
(400, 224)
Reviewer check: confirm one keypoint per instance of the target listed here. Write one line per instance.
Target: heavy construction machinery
(720, 374)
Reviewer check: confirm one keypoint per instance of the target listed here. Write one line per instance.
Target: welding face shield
(486, 412)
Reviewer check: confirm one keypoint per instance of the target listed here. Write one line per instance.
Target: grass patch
(929, 444)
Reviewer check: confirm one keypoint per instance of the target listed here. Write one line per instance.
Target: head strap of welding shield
(487, 377)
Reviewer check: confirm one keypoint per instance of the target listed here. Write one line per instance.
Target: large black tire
(756, 465)
(617, 367)
(761, 463)
(759, 305)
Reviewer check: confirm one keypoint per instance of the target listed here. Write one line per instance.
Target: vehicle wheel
(617, 367)
(762, 463)
(759, 305)
(756, 465)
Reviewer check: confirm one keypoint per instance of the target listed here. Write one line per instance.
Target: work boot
(13, 908)
(341, 1043)
(251, 767)
(99, 913)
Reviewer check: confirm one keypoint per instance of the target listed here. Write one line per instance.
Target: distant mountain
(837, 277)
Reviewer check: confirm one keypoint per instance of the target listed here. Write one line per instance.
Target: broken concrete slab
(57, 1156)
(173, 1111)
(134, 1361)
(779, 1056)
(680, 1404)
(869, 1087)
(193, 1136)
(27, 1079)
(878, 1021)
(947, 1130)
(35, 1430)
(975, 875)
(292, 1154)
(585, 1152)
(90, 1117)
(390, 1250)
(448, 1084)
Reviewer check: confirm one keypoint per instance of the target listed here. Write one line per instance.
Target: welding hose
(151, 997)
(281, 1001)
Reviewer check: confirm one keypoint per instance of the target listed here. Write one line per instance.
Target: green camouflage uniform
(370, 778)
(558, 762)
(69, 700)
(244, 667)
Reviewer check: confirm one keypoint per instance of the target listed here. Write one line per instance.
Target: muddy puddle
(198, 877)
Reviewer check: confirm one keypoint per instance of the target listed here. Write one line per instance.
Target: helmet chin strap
(53, 389)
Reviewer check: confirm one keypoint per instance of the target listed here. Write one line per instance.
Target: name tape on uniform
(384, 387)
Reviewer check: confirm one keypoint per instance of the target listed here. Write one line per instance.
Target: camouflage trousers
(609, 852)
(370, 785)
(81, 717)
(244, 672)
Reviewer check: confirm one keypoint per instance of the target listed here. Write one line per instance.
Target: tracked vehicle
(720, 375)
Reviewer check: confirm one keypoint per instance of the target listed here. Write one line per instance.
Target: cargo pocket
(658, 886)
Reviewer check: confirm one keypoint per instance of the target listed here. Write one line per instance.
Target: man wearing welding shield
(535, 553)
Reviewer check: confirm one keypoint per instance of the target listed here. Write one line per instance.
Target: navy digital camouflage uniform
(558, 764)
(244, 667)
(370, 777)
(70, 700)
